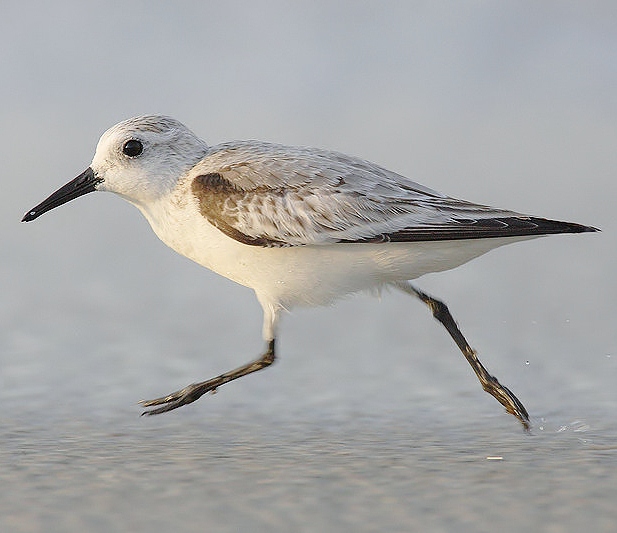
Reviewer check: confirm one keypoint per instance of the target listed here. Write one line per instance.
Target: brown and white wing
(264, 194)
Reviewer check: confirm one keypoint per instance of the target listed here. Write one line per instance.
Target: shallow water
(226, 472)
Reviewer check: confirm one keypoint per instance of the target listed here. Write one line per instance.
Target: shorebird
(300, 226)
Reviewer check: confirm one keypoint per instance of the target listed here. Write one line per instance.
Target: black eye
(132, 148)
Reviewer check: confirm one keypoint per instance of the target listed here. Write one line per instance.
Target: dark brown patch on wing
(217, 199)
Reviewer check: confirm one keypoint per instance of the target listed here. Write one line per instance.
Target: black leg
(196, 390)
(489, 383)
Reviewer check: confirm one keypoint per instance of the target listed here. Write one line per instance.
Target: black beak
(84, 183)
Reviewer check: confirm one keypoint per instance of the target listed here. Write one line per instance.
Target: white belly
(309, 275)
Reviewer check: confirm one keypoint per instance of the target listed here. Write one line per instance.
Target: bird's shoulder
(250, 165)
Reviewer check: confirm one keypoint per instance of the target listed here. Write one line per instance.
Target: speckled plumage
(288, 196)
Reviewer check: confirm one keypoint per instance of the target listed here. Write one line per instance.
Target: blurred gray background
(371, 420)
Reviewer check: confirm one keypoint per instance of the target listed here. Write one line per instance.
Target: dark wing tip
(547, 227)
(481, 229)
(588, 229)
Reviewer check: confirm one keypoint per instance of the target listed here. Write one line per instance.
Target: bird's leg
(489, 383)
(196, 390)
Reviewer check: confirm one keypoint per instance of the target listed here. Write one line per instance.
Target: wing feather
(265, 194)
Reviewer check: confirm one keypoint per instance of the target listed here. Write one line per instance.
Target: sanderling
(300, 226)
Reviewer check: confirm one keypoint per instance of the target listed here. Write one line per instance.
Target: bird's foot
(179, 398)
